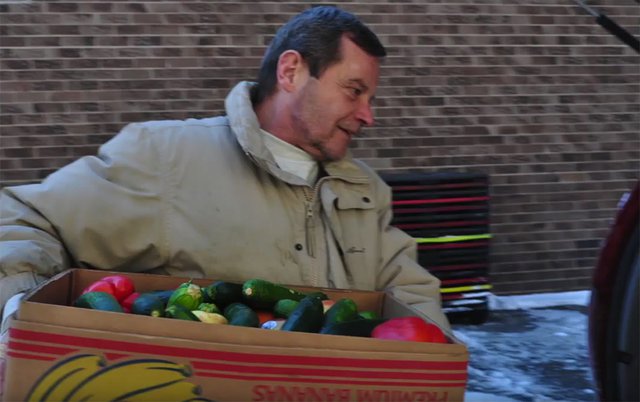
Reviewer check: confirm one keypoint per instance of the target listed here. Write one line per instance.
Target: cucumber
(369, 315)
(180, 312)
(148, 304)
(358, 327)
(222, 293)
(99, 301)
(164, 295)
(241, 315)
(284, 307)
(343, 310)
(260, 293)
(319, 295)
(307, 317)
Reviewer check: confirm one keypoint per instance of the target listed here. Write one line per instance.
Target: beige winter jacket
(205, 198)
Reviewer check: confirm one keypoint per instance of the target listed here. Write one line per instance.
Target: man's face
(330, 109)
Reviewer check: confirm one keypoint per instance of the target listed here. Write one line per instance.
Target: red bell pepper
(409, 329)
(101, 286)
(123, 286)
(128, 301)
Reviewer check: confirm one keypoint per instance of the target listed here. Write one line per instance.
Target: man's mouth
(347, 131)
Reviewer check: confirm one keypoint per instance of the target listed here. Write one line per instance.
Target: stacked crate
(448, 215)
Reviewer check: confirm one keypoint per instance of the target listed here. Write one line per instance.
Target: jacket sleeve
(103, 211)
(401, 274)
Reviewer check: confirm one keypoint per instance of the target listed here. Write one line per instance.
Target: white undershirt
(291, 159)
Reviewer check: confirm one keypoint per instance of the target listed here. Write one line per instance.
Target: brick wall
(533, 93)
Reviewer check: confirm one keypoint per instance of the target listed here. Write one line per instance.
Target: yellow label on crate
(450, 239)
(458, 289)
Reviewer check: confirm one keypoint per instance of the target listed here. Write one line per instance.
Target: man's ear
(291, 67)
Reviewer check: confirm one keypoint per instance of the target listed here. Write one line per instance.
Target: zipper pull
(310, 229)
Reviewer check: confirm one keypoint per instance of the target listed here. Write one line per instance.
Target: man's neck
(272, 119)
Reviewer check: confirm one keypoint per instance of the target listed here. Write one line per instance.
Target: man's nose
(365, 114)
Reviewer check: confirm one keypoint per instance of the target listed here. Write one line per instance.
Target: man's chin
(323, 154)
(335, 156)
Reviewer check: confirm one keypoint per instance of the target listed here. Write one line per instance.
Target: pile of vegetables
(255, 303)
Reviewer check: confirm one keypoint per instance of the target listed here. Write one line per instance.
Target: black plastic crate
(448, 214)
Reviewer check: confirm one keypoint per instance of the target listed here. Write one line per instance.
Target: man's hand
(9, 308)
(12, 305)
(3, 364)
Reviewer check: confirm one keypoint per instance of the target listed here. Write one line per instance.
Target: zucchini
(358, 327)
(222, 293)
(148, 304)
(210, 318)
(241, 315)
(209, 308)
(99, 301)
(260, 293)
(307, 317)
(284, 307)
(180, 312)
(341, 311)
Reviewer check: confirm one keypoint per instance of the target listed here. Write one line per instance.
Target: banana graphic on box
(88, 378)
(56, 383)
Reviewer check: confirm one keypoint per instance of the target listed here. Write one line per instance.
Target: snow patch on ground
(539, 300)
(533, 348)
(480, 397)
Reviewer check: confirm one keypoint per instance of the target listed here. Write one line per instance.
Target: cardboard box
(63, 352)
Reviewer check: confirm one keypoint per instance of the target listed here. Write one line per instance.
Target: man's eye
(356, 91)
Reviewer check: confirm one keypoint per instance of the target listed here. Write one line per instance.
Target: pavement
(529, 354)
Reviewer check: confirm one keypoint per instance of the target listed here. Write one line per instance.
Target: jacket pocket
(355, 200)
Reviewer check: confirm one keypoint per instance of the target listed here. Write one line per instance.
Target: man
(267, 191)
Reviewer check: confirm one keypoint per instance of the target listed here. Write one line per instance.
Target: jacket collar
(246, 127)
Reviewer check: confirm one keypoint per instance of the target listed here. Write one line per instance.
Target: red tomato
(123, 286)
(128, 301)
(326, 304)
(264, 316)
(409, 329)
(101, 286)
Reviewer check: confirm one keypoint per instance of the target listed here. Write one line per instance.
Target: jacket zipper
(308, 222)
(309, 202)
(310, 198)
